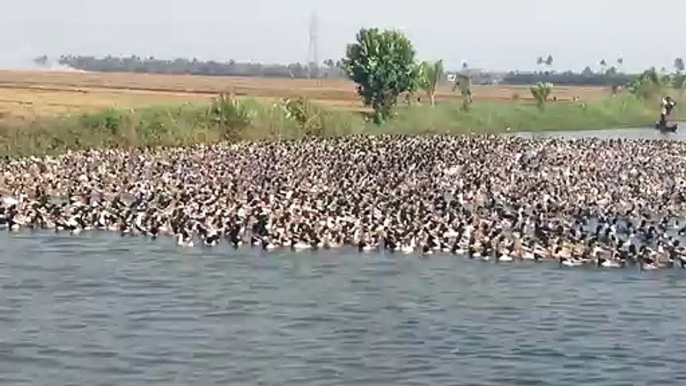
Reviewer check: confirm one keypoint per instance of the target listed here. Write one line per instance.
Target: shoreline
(245, 119)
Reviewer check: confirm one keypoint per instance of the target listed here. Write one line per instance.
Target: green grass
(247, 119)
(494, 117)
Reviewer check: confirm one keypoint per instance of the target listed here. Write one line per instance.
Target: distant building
(478, 76)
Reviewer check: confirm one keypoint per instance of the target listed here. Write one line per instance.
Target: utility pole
(313, 54)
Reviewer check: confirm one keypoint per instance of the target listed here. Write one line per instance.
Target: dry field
(28, 94)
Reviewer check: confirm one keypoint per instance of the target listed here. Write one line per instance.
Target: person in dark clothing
(666, 106)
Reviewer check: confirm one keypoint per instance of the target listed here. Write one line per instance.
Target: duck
(409, 247)
(184, 241)
(565, 260)
(301, 246)
(211, 239)
(406, 248)
(570, 262)
(505, 257)
(611, 263)
(605, 262)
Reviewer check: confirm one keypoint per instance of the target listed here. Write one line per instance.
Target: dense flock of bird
(610, 203)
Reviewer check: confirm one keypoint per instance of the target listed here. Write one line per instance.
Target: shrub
(308, 116)
(541, 92)
(230, 116)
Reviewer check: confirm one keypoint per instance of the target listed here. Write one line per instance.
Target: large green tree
(382, 63)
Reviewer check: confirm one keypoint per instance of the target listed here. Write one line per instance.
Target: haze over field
(495, 34)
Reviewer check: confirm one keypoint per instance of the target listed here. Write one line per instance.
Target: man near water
(667, 105)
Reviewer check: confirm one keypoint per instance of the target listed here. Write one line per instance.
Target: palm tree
(430, 77)
(549, 62)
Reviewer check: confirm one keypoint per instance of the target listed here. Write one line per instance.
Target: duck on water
(611, 203)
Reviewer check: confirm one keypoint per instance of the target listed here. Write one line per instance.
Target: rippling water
(101, 310)
(632, 133)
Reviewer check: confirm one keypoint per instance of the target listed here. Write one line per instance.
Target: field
(28, 94)
(53, 112)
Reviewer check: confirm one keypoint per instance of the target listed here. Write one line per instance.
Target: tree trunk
(432, 98)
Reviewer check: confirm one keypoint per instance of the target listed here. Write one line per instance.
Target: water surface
(630, 133)
(101, 310)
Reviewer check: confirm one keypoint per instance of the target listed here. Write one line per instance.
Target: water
(632, 133)
(101, 310)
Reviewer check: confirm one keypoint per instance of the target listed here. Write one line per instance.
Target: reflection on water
(101, 310)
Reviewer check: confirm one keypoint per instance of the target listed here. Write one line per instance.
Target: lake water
(101, 310)
(632, 133)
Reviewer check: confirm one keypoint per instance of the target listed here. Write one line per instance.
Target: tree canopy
(382, 63)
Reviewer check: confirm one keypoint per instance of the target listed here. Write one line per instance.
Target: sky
(490, 34)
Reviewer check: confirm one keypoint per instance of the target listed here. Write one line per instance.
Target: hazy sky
(494, 34)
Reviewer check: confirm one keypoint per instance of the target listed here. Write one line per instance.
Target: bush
(541, 92)
(230, 116)
(308, 116)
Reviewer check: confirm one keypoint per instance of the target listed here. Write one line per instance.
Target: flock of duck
(610, 203)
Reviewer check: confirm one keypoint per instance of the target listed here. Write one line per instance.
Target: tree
(430, 76)
(382, 63)
(679, 82)
(646, 85)
(603, 65)
(541, 92)
(549, 60)
(41, 60)
(679, 64)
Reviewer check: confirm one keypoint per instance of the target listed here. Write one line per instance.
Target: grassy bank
(248, 119)
(496, 117)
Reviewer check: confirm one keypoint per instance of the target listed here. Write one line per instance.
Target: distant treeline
(179, 66)
(585, 78)
(328, 69)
